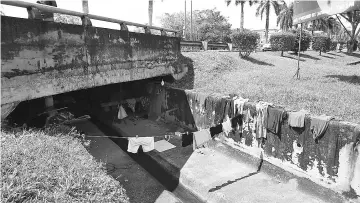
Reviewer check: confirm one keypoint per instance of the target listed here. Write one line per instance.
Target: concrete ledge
(208, 174)
(333, 162)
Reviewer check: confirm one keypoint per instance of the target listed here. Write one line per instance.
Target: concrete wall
(333, 162)
(41, 58)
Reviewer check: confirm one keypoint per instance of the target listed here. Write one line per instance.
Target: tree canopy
(285, 17)
(265, 6)
(208, 25)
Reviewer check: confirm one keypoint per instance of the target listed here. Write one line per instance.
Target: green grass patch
(53, 165)
(327, 85)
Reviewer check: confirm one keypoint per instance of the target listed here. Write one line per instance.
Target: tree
(353, 18)
(242, 3)
(282, 41)
(208, 25)
(285, 17)
(175, 21)
(321, 44)
(212, 26)
(327, 24)
(264, 6)
(305, 40)
(246, 41)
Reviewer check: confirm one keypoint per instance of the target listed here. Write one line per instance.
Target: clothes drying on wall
(296, 119)
(275, 117)
(319, 125)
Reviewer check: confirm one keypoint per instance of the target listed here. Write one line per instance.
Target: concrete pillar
(205, 45)
(147, 30)
(85, 7)
(123, 27)
(6, 109)
(163, 33)
(230, 46)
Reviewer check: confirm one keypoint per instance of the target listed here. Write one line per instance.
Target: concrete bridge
(41, 58)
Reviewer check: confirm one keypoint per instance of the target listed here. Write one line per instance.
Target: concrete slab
(139, 184)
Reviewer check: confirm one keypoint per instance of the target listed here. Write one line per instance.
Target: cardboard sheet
(163, 145)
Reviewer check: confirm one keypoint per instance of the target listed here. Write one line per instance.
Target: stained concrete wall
(41, 58)
(333, 162)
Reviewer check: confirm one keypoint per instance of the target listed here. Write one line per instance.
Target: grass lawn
(327, 85)
(37, 167)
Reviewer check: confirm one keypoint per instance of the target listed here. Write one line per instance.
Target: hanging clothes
(319, 125)
(220, 110)
(200, 138)
(147, 144)
(121, 113)
(260, 120)
(227, 126)
(275, 117)
(247, 119)
(296, 119)
(236, 122)
(239, 105)
(216, 130)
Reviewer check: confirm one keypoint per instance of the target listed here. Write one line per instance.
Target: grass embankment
(36, 167)
(327, 85)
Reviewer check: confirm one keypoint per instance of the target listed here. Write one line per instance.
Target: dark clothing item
(275, 116)
(221, 110)
(186, 139)
(319, 125)
(216, 130)
(237, 122)
(230, 108)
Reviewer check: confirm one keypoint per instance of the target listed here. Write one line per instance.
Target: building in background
(262, 34)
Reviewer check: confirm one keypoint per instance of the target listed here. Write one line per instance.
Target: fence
(203, 45)
(123, 24)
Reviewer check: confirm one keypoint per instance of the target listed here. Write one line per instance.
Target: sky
(137, 11)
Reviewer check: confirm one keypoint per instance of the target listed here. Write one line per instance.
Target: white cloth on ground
(163, 145)
(200, 138)
(147, 144)
(121, 113)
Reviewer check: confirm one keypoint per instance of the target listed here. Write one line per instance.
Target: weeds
(37, 167)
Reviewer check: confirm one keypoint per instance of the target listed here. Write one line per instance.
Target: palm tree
(242, 3)
(327, 24)
(264, 6)
(285, 17)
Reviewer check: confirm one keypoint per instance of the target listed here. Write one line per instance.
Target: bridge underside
(41, 58)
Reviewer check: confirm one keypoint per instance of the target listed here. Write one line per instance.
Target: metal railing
(52, 9)
(211, 45)
(191, 43)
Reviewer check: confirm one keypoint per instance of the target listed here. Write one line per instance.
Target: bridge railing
(203, 45)
(82, 15)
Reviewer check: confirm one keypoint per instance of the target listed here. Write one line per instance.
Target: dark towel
(236, 121)
(216, 130)
(319, 125)
(221, 110)
(275, 116)
(186, 139)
